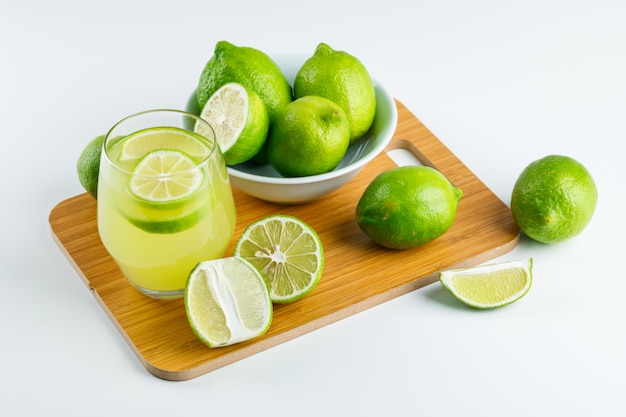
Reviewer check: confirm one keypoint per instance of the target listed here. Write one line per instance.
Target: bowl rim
(373, 153)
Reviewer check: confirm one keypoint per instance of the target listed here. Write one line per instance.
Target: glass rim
(212, 142)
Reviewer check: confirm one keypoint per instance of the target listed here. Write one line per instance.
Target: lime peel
(308, 136)
(407, 206)
(343, 79)
(489, 286)
(88, 165)
(248, 66)
(553, 199)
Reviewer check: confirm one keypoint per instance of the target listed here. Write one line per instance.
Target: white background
(501, 83)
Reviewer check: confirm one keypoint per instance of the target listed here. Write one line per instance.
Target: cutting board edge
(353, 309)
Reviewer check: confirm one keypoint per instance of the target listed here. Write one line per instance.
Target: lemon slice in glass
(287, 252)
(489, 286)
(226, 302)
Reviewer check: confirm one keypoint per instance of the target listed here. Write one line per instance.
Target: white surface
(500, 83)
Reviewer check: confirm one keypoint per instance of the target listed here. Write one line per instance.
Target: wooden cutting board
(358, 274)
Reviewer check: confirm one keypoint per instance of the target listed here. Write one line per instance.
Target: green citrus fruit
(159, 221)
(553, 199)
(407, 206)
(261, 157)
(227, 302)
(287, 252)
(88, 165)
(240, 121)
(342, 78)
(249, 67)
(308, 136)
(164, 176)
(489, 286)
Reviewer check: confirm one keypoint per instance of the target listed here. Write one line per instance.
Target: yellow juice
(156, 244)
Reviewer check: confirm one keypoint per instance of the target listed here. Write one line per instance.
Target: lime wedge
(226, 302)
(140, 143)
(489, 286)
(287, 252)
(165, 175)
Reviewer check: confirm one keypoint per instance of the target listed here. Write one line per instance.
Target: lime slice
(226, 302)
(165, 175)
(489, 286)
(166, 182)
(158, 223)
(140, 143)
(239, 119)
(287, 252)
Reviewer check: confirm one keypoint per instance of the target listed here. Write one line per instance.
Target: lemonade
(164, 204)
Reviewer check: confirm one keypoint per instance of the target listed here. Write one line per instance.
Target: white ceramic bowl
(263, 182)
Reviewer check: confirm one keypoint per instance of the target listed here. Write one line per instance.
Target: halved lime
(489, 286)
(226, 302)
(239, 119)
(287, 252)
(139, 144)
(165, 175)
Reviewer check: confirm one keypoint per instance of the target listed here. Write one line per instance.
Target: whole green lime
(342, 78)
(553, 199)
(248, 66)
(408, 206)
(309, 136)
(88, 165)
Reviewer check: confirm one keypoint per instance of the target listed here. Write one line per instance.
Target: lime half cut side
(489, 286)
(287, 252)
(141, 143)
(226, 302)
(239, 119)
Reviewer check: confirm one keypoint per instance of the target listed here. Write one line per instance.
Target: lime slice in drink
(489, 286)
(165, 175)
(165, 183)
(239, 119)
(162, 222)
(226, 302)
(140, 143)
(287, 252)
(165, 179)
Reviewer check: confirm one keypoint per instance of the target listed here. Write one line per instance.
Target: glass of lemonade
(164, 199)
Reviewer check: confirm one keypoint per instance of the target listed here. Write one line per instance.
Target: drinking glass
(164, 199)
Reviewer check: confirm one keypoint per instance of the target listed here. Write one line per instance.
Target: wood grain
(358, 274)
